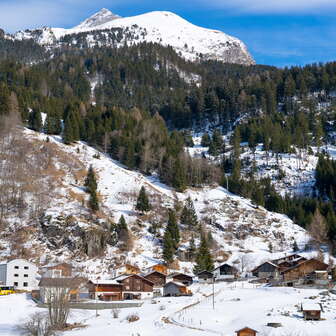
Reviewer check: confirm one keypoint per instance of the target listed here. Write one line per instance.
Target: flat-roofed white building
(20, 273)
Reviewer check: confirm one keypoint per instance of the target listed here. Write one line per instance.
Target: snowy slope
(166, 28)
(237, 226)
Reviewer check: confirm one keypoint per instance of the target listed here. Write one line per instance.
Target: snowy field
(236, 305)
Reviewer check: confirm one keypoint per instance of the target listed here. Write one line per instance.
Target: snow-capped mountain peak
(97, 19)
(191, 42)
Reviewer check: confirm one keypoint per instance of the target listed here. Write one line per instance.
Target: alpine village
(155, 180)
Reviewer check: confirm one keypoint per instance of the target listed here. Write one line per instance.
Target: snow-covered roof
(311, 307)
(179, 284)
(105, 282)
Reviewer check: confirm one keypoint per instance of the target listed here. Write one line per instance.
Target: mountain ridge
(191, 42)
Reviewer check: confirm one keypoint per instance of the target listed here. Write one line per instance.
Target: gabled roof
(178, 284)
(246, 329)
(226, 264)
(147, 274)
(62, 282)
(174, 274)
(52, 265)
(126, 276)
(205, 272)
(303, 262)
(266, 262)
(311, 307)
(105, 282)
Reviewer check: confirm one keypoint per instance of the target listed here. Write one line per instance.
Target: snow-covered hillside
(166, 28)
(66, 230)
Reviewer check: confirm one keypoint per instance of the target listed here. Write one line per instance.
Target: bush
(133, 317)
(37, 325)
(115, 312)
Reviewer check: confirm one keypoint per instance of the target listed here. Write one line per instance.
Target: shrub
(132, 317)
(115, 312)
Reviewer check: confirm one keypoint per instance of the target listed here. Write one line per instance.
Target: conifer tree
(172, 227)
(35, 120)
(91, 188)
(205, 141)
(90, 181)
(204, 261)
(188, 215)
(168, 247)
(192, 249)
(179, 175)
(93, 201)
(295, 246)
(122, 229)
(68, 132)
(143, 204)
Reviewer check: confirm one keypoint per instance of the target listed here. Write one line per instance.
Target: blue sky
(277, 32)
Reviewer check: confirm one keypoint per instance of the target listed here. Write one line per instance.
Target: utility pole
(213, 292)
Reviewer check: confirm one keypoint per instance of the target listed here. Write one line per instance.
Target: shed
(225, 272)
(205, 276)
(266, 270)
(311, 311)
(174, 288)
(246, 332)
(182, 278)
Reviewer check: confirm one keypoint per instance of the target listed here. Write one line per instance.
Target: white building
(19, 273)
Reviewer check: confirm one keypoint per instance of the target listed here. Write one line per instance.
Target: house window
(25, 275)
(25, 284)
(16, 275)
(26, 267)
(16, 267)
(16, 284)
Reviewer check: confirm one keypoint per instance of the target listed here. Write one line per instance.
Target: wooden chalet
(246, 332)
(135, 287)
(62, 270)
(303, 269)
(105, 290)
(157, 278)
(126, 269)
(311, 311)
(225, 272)
(159, 268)
(266, 270)
(205, 276)
(174, 288)
(185, 279)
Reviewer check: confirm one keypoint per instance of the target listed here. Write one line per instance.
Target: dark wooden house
(135, 287)
(205, 276)
(157, 278)
(311, 311)
(173, 288)
(302, 269)
(246, 332)
(225, 272)
(266, 270)
(105, 290)
(181, 278)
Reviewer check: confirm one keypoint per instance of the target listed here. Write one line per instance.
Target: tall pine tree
(204, 261)
(143, 204)
(188, 215)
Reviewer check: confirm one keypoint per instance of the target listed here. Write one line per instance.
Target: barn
(266, 270)
(225, 272)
